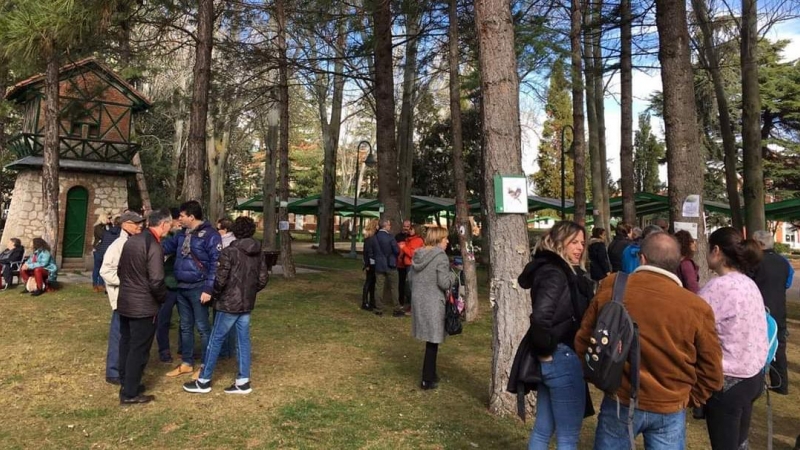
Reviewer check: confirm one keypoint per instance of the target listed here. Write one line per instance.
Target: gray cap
(131, 216)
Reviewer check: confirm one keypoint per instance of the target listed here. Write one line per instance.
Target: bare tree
(501, 128)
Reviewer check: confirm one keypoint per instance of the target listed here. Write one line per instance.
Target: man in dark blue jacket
(386, 253)
(196, 253)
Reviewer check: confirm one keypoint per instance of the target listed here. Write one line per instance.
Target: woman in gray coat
(430, 278)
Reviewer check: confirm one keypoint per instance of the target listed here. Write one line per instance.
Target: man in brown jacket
(681, 358)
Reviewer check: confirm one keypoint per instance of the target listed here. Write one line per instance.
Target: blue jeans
(223, 324)
(229, 345)
(192, 313)
(661, 431)
(97, 280)
(112, 354)
(164, 321)
(560, 402)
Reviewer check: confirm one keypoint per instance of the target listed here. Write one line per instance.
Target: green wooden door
(75, 222)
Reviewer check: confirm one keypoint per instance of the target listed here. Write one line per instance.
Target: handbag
(452, 318)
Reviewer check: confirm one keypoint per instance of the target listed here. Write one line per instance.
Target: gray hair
(765, 239)
(159, 216)
(662, 250)
(382, 224)
(651, 229)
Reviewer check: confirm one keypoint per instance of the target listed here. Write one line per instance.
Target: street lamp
(564, 171)
(369, 162)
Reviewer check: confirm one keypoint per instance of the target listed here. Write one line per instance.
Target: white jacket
(109, 268)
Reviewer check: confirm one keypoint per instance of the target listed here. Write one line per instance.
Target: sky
(644, 84)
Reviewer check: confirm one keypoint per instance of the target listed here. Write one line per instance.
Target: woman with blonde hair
(430, 278)
(368, 291)
(560, 293)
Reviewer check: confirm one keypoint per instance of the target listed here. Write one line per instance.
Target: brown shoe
(182, 369)
(196, 373)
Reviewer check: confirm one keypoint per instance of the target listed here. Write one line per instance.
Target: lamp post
(369, 161)
(564, 171)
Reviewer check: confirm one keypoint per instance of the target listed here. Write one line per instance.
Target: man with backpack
(670, 336)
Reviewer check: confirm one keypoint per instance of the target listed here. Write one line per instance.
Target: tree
(579, 142)
(287, 261)
(388, 184)
(594, 91)
(684, 158)
(462, 208)
(648, 152)
(405, 128)
(626, 113)
(753, 186)
(558, 112)
(500, 88)
(195, 151)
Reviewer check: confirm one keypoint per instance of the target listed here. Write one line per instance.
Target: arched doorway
(75, 222)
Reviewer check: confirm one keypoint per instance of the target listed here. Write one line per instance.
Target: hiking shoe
(37, 293)
(197, 387)
(239, 389)
(196, 374)
(182, 369)
(165, 357)
(399, 313)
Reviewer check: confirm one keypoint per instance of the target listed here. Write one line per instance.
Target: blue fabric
(164, 321)
(112, 354)
(791, 274)
(560, 402)
(661, 431)
(192, 313)
(45, 261)
(109, 236)
(228, 348)
(206, 244)
(97, 280)
(630, 258)
(386, 252)
(223, 326)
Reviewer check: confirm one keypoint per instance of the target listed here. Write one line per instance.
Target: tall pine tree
(547, 181)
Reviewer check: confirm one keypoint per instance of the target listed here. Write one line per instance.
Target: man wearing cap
(131, 225)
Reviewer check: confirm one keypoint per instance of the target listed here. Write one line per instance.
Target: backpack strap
(634, 355)
(619, 287)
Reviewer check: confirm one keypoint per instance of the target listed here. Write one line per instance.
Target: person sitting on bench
(40, 265)
(13, 254)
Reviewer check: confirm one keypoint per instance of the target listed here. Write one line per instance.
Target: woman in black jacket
(13, 254)
(560, 294)
(241, 273)
(621, 241)
(599, 264)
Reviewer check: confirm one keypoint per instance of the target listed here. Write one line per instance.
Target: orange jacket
(412, 243)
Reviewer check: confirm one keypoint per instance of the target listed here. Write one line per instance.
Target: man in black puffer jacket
(241, 273)
(141, 293)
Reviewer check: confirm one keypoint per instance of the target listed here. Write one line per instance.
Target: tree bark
(600, 113)
(330, 136)
(753, 188)
(270, 137)
(141, 183)
(388, 184)
(195, 152)
(217, 151)
(626, 113)
(711, 62)
(597, 164)
(685, 162)
(578, 138)
(463, 224)
(178, 145)
(50, 169)
(4, 80)
(501, 128)
(287, 261)
(405, 129)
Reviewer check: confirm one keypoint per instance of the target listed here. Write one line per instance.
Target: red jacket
(411, 244)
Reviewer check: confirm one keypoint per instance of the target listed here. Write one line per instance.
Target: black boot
(37, 293)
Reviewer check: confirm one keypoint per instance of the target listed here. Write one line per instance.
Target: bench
(15, 266)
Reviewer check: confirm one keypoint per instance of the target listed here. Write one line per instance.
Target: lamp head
(370, 161)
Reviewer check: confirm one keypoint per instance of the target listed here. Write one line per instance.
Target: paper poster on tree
(510, 194)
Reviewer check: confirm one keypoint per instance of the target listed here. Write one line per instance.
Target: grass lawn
(325, 376)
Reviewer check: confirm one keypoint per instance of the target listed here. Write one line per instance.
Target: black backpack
(613, 342)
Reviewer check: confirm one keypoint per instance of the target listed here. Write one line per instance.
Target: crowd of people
(178, 258)
(702, 347)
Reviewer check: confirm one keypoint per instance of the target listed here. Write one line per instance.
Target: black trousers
(728, 413)
(779, 372)
(429, 363)
(402, 275)
(136, 338)
(6, 272)
(368, 291)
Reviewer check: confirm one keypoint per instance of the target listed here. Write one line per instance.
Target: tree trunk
(330, 137)
(626, 113)
(600, 113)
(597, 164)
(217, 151)
(388, 184)
(195, 152)
(710, 59)
(753, 188)
(685, 162)
(405, 129)
(287, 261)
(141, 184)
(270, 137)
(178, 144)
(578, 136)
(463, 224)
(4, 73)
(50, 167)
(501, 129)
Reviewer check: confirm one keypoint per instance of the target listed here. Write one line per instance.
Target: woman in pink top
(742, 329)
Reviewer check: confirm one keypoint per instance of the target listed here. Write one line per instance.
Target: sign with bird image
(511, 194)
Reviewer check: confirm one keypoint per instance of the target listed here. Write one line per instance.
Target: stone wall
(107, 194)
